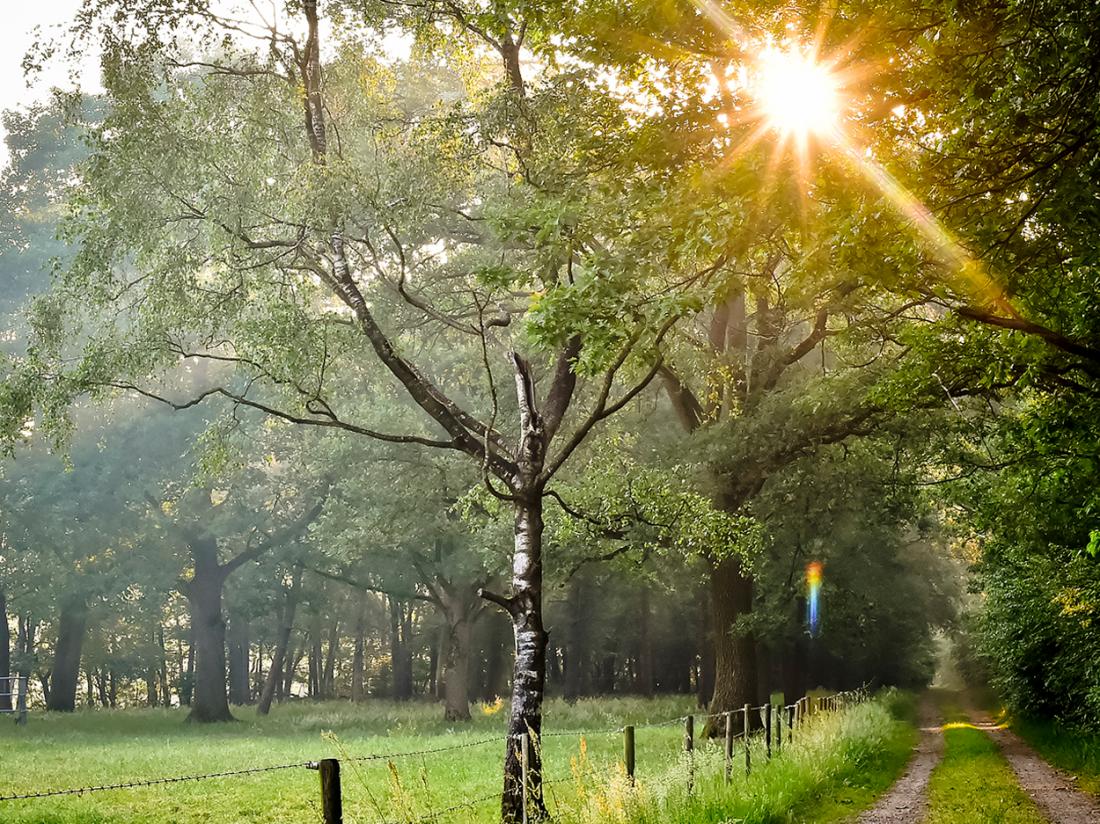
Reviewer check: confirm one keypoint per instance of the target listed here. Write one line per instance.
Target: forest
(428, 367)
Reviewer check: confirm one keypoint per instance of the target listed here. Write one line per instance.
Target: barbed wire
(580, 733)
(152, 782)
(393, 756)
(435, 814)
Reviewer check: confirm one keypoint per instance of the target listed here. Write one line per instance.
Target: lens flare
(797, 95)
(813, 597)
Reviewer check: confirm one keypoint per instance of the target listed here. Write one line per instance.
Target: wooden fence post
(524, 756)
(689, 748)
(790, 724)
(748, 756)
(332, 804)
(768, 730)
(628, 752)
(729, 746)
(777, 713)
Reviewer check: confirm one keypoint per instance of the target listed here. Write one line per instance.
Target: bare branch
(325, 422)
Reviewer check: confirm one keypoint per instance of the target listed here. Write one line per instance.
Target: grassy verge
(974, 784)
(1069, 748)
(838, 764)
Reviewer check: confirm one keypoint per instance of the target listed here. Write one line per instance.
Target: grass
(838, 764)
(1072, 749)
(974, 783)
(842, 758)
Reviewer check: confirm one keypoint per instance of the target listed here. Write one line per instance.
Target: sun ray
(799, 98)
(951, 252)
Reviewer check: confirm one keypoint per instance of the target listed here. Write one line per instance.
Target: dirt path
(907, 801)
(1051, 790)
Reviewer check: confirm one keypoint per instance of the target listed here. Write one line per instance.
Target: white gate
(14, 688)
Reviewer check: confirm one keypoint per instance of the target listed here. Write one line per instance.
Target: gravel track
(907, 800)
(1052, 791)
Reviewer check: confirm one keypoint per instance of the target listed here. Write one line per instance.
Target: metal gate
(14, 688)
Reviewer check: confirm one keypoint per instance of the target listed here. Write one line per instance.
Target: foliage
(1032, 520)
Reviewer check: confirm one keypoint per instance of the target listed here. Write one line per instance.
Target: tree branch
(507, 604)
(1055, 339)
(292, 530)
(325, 422)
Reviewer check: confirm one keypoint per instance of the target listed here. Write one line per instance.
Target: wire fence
(772, 718)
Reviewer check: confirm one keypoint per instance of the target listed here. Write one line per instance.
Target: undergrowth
(837, 764)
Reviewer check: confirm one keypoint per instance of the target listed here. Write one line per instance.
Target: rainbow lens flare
(813, 597)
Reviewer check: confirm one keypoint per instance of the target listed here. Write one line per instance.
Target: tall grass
(861, 748)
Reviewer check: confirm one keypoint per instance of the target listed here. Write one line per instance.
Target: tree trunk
(765, 669)
(407, 680)
(705, 680)
(735, 654)
(187, 675)
(153, 666)
(101, 687)
(239, 645)
(495, 653)
(292, 664)
(314, 686)
(437, 653)
(256, 684)
(400, 658)
(529, 669)
(165, 687)
(210, 702)
(152, 697)
(576, 639)
(456, 658)
(645, 683)
(278, 655)
(328, 683)
(65, 673)
(24, 645)
(359, 652)
(6, 683)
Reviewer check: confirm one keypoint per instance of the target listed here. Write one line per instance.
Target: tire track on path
(907, 800)
(1052, 791)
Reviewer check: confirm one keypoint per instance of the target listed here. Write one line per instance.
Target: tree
(378, 543)
(303, 231)
(220, 533)
(74, 536)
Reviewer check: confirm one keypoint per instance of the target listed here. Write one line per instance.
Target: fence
(774, 720)
(14, 688)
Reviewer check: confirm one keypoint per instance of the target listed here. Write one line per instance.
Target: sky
(16, 36)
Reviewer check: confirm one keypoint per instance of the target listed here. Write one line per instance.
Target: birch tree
(270, 196)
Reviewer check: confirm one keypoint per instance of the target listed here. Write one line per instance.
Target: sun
(797, 96)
